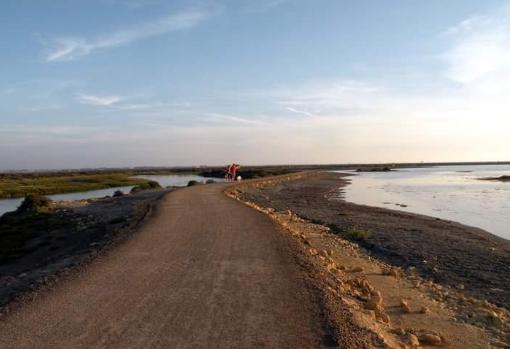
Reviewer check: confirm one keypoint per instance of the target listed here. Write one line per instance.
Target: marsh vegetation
(19, 185)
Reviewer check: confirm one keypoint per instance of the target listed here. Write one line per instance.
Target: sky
(114, 83)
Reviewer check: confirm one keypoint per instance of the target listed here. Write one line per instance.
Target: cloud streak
(301, 112)
(69, 48)
(100, 101)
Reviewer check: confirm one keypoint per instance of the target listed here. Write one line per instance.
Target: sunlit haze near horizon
(114, 83)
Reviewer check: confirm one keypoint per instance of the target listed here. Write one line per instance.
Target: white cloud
(324, 97)
(69, 48)
(301, 112)
(103, 101)
(231, 120)
(481, 47)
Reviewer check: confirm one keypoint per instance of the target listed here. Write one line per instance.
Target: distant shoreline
(16, 184)
(140, 170)
(500, 179)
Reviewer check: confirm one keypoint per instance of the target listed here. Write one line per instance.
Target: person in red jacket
(235, 168)
(228, 173)
(231, 172)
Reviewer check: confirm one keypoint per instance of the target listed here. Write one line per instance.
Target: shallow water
(175, 180)
(448, 192)
(7, 205)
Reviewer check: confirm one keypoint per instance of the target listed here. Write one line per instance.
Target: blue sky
(131, 82)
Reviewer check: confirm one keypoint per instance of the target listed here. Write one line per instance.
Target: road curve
(204, 272)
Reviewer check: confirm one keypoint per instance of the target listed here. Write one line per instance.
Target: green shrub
(146, 186)
(34, 203)
(357, 234)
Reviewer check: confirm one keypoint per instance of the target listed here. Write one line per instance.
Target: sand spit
(499, 179)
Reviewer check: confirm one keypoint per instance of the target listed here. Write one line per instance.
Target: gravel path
(204, 272)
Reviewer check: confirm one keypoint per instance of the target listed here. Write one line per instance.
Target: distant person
(231, 172)
(235, 168)
(228, 173)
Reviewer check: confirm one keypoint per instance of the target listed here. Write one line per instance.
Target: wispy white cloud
(152, 106)
(301, 112)
(68, 47)
(326, 97)
(102, 101)
(226, 119)
(481, 47)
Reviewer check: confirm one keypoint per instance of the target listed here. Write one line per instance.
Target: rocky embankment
(44, 240)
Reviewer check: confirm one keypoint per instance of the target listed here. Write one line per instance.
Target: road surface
(204, 272)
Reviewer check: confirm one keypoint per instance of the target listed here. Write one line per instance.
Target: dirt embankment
(36, 246)
(446, 280)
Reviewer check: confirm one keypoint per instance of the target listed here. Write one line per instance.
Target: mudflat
(446, 252)
(204, 271)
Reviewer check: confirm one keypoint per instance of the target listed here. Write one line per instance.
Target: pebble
(413, 341)
(424, 310)
(385, 318)
(331, 266)
(405, 306)
(375, 301)
(356, 270)
(399, 331)
(430, 339)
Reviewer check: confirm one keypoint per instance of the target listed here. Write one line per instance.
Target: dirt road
(204, 272)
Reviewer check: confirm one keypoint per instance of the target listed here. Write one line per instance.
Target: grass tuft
(357, 234)
(146, 186)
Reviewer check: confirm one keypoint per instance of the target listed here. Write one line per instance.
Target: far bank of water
(449, 192)
(8, 205)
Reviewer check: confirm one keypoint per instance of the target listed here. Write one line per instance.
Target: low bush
(146, 186)
(357, 234)
(193, 182)
(34, 203)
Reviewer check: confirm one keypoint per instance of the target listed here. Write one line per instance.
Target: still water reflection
(447, 192)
